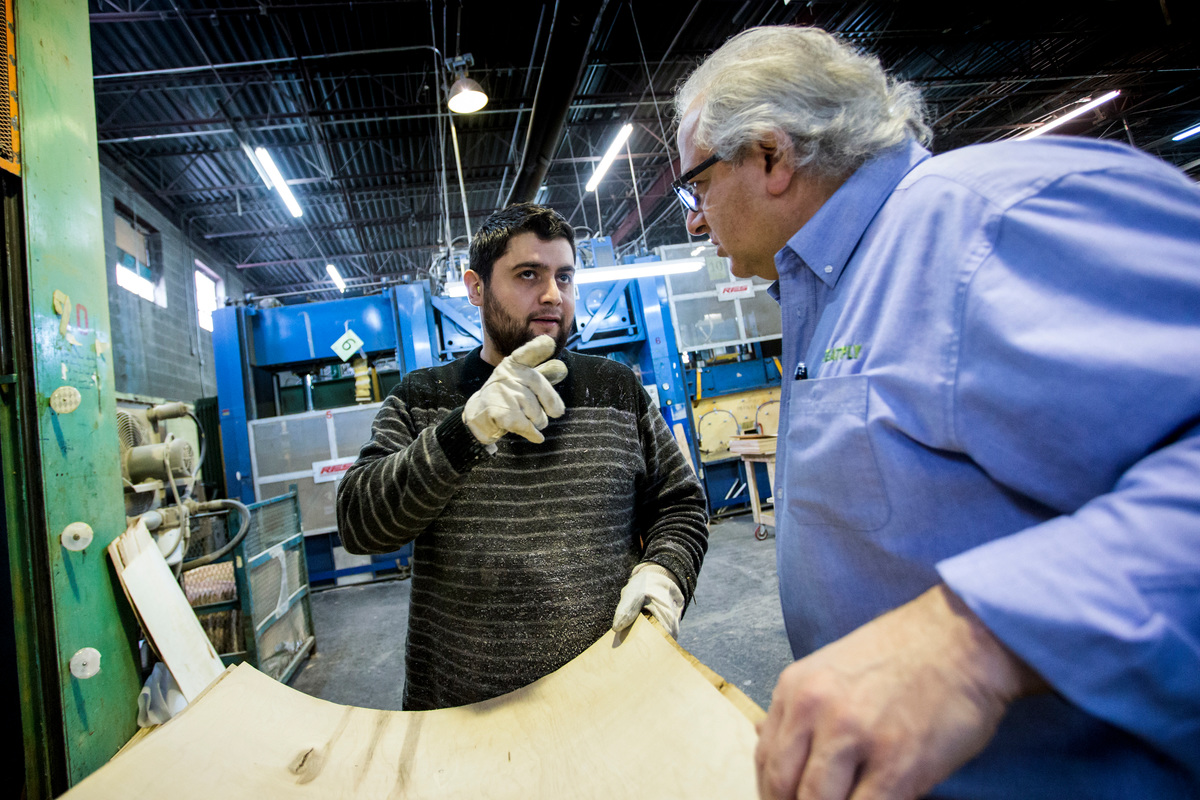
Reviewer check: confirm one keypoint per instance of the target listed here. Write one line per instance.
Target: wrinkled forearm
(1112, 586)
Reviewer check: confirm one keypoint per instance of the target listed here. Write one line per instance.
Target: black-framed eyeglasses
(683, 184)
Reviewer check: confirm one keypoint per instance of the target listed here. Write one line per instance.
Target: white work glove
(653, 588)
(519, 395)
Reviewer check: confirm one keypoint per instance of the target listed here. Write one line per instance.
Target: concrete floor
(733, 625)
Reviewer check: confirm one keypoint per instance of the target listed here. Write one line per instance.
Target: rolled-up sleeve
(1079, 390)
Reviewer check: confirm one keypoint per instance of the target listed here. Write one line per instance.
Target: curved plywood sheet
(630, 717)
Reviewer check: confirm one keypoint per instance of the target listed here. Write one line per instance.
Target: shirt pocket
(833, 477)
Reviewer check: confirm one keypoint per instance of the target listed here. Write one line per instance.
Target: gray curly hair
(836, 106)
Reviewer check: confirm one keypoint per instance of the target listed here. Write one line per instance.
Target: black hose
(216, 555)
(203, 440)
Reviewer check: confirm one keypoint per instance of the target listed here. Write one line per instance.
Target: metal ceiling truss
(349, 99)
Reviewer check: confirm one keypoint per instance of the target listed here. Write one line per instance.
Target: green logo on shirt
(842, 353)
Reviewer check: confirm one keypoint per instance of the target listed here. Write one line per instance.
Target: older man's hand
(891, 709)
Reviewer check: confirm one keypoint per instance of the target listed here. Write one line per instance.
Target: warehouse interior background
(349, 102)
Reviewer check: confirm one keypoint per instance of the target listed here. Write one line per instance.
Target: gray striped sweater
(520, 556)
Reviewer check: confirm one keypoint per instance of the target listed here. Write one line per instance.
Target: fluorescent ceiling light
(277, 182)
(337, 277)
(258, 167)
(646, 269)
(466, 96)
(1189, 133)
(455, 289)
(606, 162)
(1083, 109)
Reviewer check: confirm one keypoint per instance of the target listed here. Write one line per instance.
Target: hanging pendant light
(466, 96)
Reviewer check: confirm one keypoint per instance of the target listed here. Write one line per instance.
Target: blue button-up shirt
(1003, 354)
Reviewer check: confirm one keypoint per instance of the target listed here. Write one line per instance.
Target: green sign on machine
(73, 402)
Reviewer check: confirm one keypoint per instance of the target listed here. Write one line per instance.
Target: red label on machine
(728, 291)
(326, 471)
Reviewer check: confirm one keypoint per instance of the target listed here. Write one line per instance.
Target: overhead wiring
(440, 144)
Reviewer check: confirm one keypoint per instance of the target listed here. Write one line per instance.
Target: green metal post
(76, 477)
(44, 772)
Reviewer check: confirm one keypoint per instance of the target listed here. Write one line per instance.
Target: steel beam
(79, 464)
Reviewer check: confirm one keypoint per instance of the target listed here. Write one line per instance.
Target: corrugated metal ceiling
(347, 98)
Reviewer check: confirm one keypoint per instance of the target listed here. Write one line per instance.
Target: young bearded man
(546, 496)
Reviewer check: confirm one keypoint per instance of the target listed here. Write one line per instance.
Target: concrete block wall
(160, 352)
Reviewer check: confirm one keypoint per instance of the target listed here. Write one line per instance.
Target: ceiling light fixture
(337, 277)
(1189, 133)
(646, 269)
(609, 155)
(276, 181)
(1083, 109)
(466, 96)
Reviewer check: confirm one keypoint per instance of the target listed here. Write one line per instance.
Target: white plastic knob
(65, 399)
(77, 536)
(85, 663)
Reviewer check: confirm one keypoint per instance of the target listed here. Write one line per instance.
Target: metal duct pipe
(149, 462)
(572, 33)
(167, 411)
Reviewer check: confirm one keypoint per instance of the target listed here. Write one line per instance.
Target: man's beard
(508, 333)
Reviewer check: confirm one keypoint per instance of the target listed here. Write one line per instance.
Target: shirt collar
(825, 243)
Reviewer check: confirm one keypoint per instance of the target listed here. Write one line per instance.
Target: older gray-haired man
(988, 488)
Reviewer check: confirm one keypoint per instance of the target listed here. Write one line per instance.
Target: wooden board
(629, 718)
(753, 444)
(163, 611)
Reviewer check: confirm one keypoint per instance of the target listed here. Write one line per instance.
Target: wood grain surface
(629, 718)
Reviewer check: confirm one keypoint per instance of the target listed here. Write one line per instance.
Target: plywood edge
(739, 699)
(163, 612)
(120, 560)
(116, 554)
(142, 733)
(243, 741)
(138, 736)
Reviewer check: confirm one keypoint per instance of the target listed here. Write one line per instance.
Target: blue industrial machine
(728, 331)
(719, 334)
(728, 397)
(266, 450)
(630, 321)
(458, 325)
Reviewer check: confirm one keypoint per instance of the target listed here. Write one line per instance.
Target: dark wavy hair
(491, 240)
